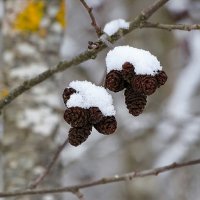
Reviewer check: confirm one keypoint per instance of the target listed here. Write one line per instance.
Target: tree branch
(147, 12)
(105, 180)
(49, 167)
(26, 85)
(169, 27)
(94, 23)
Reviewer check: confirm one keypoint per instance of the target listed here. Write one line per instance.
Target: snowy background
(32, 127)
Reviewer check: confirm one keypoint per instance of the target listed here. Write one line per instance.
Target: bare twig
(147, 12)
(79, 195)
(169, 27)
(26, 85)
(93, 23)
(49, 167)
(105, 180)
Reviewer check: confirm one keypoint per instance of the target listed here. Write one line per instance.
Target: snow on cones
(135, 70)
(88, 105)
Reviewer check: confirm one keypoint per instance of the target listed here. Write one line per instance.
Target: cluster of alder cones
(82, 120)
(137, 87)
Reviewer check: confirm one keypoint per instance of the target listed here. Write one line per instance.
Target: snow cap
(143, 61)
(113, 26)
(89, 95)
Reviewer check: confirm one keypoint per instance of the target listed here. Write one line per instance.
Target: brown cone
(161, 77)
(78, 135)
(146, 84)
(107, 125)
(128, 71)
(135, 102)
(67, 93)
(76, 116)
(114, 81)
(95, 115)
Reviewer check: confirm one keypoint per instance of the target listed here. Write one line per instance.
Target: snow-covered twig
(93, 23)
(49, 167)
(28, 84)
(103, 181)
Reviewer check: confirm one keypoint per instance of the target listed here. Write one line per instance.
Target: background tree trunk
(32, 34)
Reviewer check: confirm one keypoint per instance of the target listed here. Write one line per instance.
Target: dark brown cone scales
(128, 71)
(161, 77)
(146, 84)
(114, 81)
(67, 93)
(78, 135)
(76, 116)
(107, 125)
(135, 102)
(95, 115)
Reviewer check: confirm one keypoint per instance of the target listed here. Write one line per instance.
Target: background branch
(105, 180)
(49, 167)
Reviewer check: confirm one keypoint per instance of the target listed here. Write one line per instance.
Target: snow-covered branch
(138, 22)
(28, 84)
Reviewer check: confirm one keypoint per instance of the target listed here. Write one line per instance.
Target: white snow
(41, 120)
(113, 26)
(26, 49)
(143, 61)
(89, 95)
(28, 71)
(8, 57)
(56, 27)
(178, 5)
(187, 83)
(94, 3)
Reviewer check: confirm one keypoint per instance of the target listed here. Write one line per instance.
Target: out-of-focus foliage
(29, 18)
(60, 17)
(3, 92)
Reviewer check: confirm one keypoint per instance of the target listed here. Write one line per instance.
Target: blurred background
(34, 36)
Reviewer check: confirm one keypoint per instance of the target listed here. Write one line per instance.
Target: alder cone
(128, 71)
(107, 125)
(76, 116)
(146, 84)
(95, 115)
(161, 77)
(78, 135)
(67, 93)
(114, 81)
(135, 102)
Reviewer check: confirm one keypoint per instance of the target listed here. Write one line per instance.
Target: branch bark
(49, 167)
(26, 85)
(105, 180)
(170, 27)
(93, 23)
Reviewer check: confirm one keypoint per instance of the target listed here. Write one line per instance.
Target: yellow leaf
(61, 15)
(30, 17)
(3, 93)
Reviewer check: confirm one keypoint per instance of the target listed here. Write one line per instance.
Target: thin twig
(93, 23)
(169, 27)
(79, 195)
(49, 167)
(105, 180)
(147, 12)
(26, 85)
